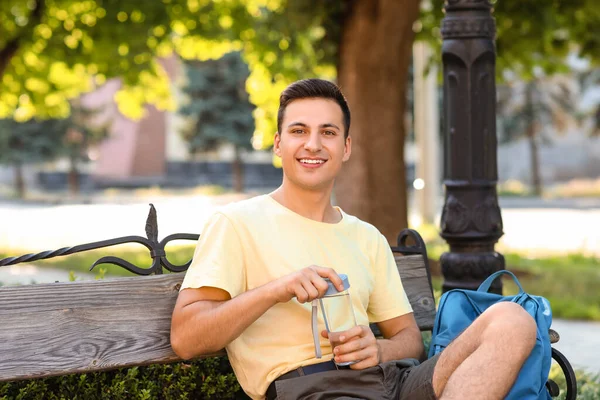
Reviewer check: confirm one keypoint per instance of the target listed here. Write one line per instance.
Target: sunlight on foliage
(70, 46)
(153, 87)
(199, 48)
(73, 46)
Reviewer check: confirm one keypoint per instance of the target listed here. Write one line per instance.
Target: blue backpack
(458, 308)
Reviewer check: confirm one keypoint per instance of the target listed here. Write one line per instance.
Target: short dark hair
(313, 88)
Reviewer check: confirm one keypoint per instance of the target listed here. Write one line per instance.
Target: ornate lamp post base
(471, 221)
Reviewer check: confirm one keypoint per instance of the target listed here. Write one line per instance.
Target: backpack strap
(485, 285)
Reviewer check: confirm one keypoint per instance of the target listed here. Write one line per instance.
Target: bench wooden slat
(73, 327)
(416, 284)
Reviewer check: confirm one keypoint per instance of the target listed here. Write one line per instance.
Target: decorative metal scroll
(157, 250)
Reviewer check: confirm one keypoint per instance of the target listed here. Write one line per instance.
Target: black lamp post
(471, 221)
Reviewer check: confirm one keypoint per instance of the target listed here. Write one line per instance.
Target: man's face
(311, 143)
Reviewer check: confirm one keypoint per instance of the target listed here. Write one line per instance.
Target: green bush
(588, 384)
(210, 378)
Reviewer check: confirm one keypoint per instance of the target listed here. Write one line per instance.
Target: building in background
(149, 152)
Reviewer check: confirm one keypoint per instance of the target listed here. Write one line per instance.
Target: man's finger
(301, 294)
(364, 364)
(355, 331)
(360, 355)
(312, 292)
(318, 282)
(349, 347)
(321, 285)
(332, 275)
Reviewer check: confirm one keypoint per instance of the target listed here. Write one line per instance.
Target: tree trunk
(536, 180)
(375, 54)
(11, 47)
(73, 177)
(19, 180)
(237, 169)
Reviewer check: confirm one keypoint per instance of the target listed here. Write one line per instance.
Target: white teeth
(312, 161)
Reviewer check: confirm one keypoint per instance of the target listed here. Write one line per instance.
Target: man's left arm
(389, 305)
(401, 339)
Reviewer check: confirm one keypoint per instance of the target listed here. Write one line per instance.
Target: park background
(107, 106)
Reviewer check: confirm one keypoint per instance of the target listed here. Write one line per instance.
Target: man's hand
(357, 344)
(305, 285)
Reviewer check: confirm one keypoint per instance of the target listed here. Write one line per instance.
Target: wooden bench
(87, 326)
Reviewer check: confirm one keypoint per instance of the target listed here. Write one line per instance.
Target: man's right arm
(207, 319)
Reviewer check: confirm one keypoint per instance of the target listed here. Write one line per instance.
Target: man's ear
(347, 149)
(276, 142)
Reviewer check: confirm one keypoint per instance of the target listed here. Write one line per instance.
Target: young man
(259, 263)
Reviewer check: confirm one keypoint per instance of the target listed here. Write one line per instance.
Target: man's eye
(298, 131)
(332, 133)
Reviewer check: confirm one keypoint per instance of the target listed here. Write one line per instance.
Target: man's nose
(313, 143)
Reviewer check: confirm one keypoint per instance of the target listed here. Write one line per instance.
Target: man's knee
(511, 321)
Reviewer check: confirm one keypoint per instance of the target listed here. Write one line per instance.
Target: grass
(113, 194)
(156, 191)
(81, 262)
(514, 188)
(588, 384)
(570, 282)
(575, 188)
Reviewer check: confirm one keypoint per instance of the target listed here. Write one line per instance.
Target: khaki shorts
(394, 380)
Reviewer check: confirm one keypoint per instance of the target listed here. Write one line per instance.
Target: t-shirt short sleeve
(388, 299)
(218, 260)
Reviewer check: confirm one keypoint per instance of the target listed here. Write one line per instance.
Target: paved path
(48, 227)
(531, 225)
(558, 226)
(579, 342)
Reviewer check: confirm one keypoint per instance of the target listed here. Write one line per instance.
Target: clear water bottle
(338, 314)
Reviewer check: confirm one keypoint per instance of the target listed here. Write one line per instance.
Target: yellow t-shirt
(252, 242)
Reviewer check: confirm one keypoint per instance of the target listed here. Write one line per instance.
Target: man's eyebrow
(330, 125)
(297, 123)
(327, 125)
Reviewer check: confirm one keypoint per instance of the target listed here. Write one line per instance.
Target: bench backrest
(72, 327)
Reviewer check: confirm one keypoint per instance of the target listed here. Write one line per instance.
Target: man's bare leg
(483, 362)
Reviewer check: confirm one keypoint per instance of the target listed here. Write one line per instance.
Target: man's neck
(312, 204)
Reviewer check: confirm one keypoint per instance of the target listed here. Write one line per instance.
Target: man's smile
(312, 162)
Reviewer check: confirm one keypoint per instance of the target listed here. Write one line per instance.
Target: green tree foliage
(217, 103)
(35, 141)
(51, 50)
(32, 141)
(532, 34)
(218, 110)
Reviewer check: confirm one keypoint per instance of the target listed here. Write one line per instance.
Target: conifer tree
(218, 110)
